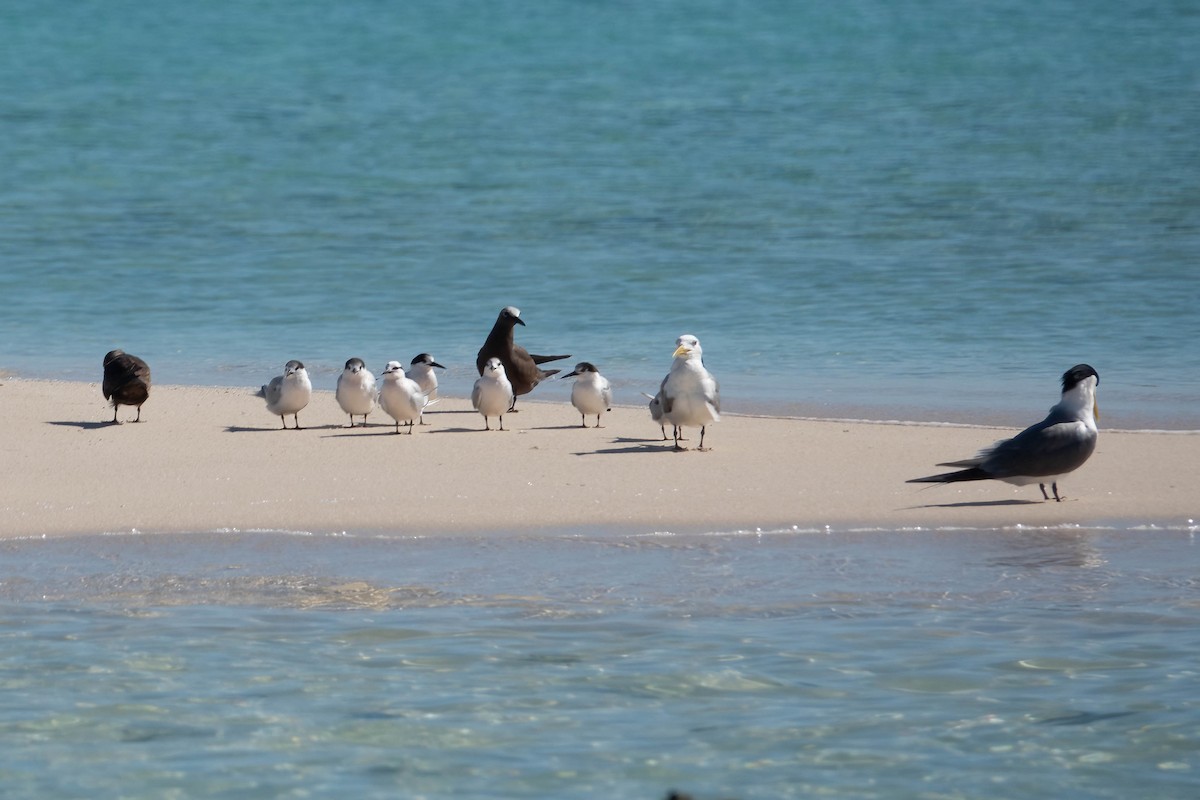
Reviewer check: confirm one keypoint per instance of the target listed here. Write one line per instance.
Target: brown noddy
(521, 367)
(126, 381)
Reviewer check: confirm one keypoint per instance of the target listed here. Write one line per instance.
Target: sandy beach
(206, 459)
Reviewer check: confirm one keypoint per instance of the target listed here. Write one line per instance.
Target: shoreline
(211, 459)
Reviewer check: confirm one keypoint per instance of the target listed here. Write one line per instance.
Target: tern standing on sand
(591, 394)
(356, 392)
(656, 412)
(691, 396)
(288, 393)
(401, 397)
(421, 371)
(1044, 452)
(493, 393)
(126, 381)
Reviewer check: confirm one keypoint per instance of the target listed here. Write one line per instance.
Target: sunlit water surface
(868, 664)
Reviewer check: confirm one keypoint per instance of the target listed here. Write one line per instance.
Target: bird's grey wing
(1049, 448)
(665, 401)
(715, 397)
(476, 392)
(273, 390)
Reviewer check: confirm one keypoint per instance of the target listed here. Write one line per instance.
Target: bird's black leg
(702, 429)
(115, 407)
(598, 425)
(1054, 488)
(678, 449)
(583, 420)
(283, 420)
(502, 420)
(296, 419)
(139, 415)
(1045, 496)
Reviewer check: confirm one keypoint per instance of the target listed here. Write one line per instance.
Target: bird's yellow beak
(682, 350)
(1095, 409)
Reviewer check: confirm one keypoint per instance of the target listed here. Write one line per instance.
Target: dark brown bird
(519, 365)
(126, 381)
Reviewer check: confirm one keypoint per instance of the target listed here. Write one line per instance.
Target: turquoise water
(852, 664)
(918, 210)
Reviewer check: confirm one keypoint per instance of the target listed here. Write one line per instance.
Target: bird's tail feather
(544, 359)
(972, 474)
(967, 462)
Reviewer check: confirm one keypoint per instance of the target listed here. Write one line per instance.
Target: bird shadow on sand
(85, 426)
(627, 445)
(562, 428)
(981, 504)
(357, 432)
(243, 429)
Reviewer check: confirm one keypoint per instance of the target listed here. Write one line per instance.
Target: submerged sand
(213, 459)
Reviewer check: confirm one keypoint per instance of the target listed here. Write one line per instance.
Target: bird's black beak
(519, 320)
(435, 364)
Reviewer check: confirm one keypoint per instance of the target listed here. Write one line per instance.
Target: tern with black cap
(288, 393)
(1044, 452)
(592, 393)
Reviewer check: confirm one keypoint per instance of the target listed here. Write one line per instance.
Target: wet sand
(206, 459)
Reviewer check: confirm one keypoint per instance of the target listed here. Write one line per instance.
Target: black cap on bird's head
(580, 368)
(424, 358)
(355, 364)
(1077, 374)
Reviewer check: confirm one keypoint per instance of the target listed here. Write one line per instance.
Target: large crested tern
(690, 394)
(1044, 452)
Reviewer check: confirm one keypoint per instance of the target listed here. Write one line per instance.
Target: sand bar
(206, 459)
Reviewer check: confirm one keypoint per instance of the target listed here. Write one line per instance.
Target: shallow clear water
(915, 210)
(856, 664)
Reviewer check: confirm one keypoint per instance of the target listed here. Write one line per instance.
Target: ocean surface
(878, 209)
(790, 664)
(870, 208)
